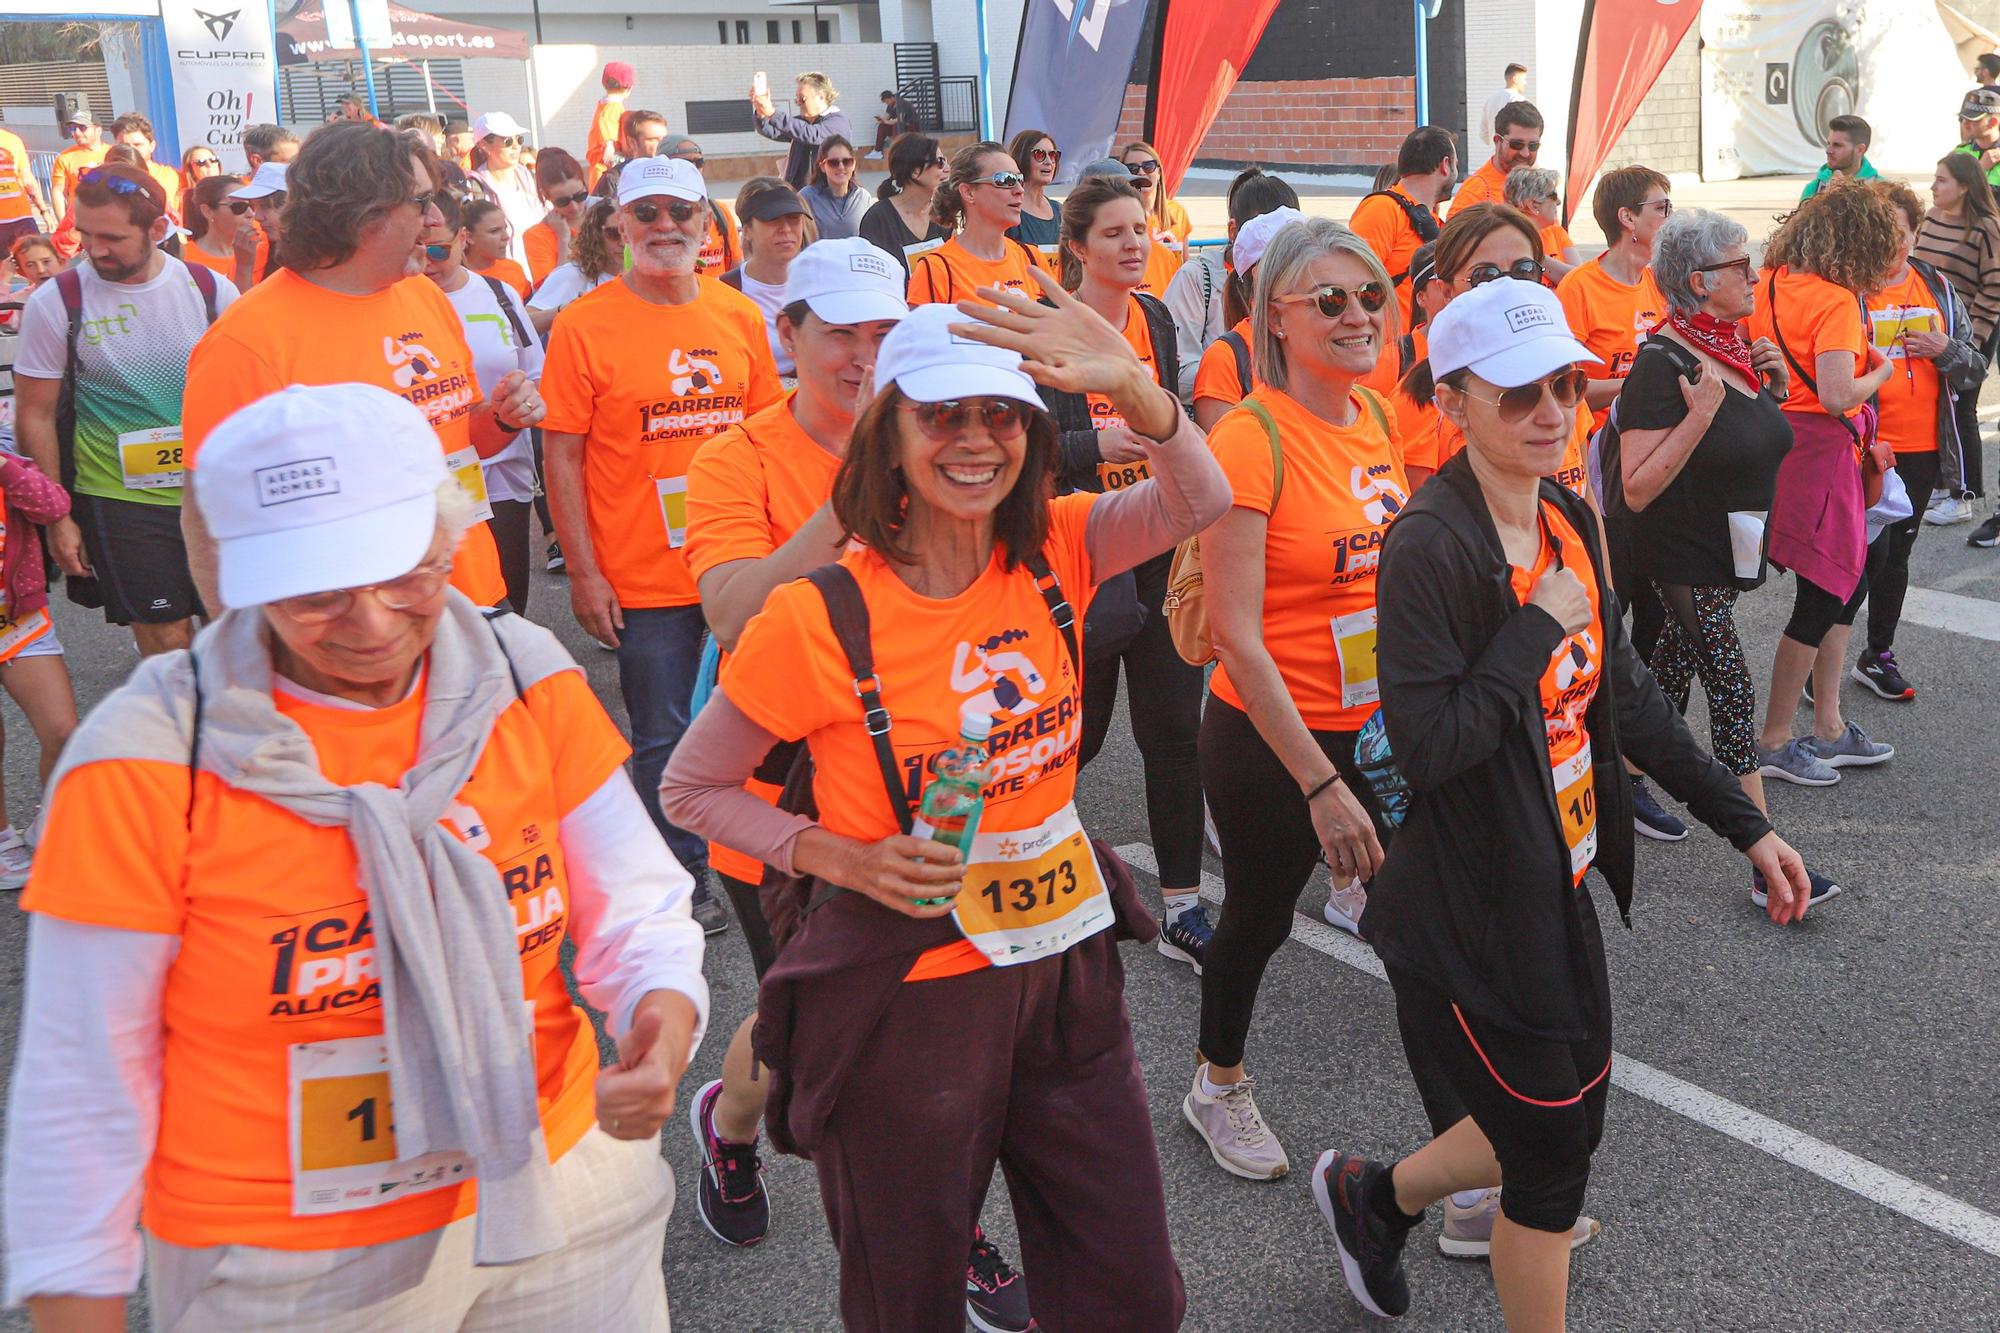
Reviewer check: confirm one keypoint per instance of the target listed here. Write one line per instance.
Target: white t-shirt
(1486, 116)
(564, 285)
(770, 300)
(510, 474)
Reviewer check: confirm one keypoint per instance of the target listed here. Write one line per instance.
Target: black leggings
(1269, 850)
(1889, 559)
(1164, 695)
(510, 533)
(1815, 610)
(750, 915)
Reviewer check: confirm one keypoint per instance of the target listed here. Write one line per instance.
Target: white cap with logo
(267, 180)
(1507, 332)
(847, 281)
(931, 364)
(659, 177)
(318, 487)
(1253, 238)
(498, 123)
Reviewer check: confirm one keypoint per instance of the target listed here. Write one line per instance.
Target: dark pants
(750, 915)
(1966, 414)
(1889, 581)
(1269, 850)
(541, 491)
(1815, 610)
(509, 526)
(967, 1070)
(659, 651)
(1164, 695)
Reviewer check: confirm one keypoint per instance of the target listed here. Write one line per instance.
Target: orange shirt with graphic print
(1817, 316)
(722, 248)
(1610, 318)
(1488, 185)
(1908, 400)
(1382, 223)
(406, 338)
(15, 176)
(277, 947)
(646, 386)
(953, 273)
(1570, 682)
(1217, 378)
(750, 489)
(994, 645)
(1343, 484)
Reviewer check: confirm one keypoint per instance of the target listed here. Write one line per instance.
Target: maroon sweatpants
(1031, 1066)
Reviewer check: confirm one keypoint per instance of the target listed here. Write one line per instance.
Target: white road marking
(1973, 616)
(1920, 1203)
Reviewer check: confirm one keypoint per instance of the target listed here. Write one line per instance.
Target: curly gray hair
(1529, 185)
(1691, 240)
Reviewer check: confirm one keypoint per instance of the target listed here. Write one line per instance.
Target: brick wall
(1343, 125)
(1665, 133)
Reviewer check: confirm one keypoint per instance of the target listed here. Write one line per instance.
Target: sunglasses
(237, 206)
(1003, 180)
(206, 163)
(1332, 300)
(565, 200)
(1748, 266)
(1003, 417)
(647, 212)
(1045, 154)
(1524, 145)
(939, 161)
(505, 141)
(1143, 168)
(415, 588)
(1527, 270)
(112, 181)
(1565, 386)
(841, 162)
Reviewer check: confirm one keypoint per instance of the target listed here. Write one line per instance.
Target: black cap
(774, 204)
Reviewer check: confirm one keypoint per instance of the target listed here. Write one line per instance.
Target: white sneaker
(16, 860)
(1468, 1232)
(1947, 512)
(874, 155)
(1237, 1137)
(1344, 905)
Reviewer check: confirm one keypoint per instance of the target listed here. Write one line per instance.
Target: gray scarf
(460, 1039)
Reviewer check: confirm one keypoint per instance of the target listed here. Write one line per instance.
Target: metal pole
(367, 65)
(985, 72)
(430, 90)
(1422, 10)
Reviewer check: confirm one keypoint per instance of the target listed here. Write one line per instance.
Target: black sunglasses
(648, 212)
(1143, 168)
(1524, 145)
(1332, 300)
(1517, 404)
(1003, 417)
(837, 162)
(1527, 270)
(939, 161)
(565, 200)
(237, 206)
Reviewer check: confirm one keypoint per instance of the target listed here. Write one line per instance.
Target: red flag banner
(1622, 49)
(1200, 51)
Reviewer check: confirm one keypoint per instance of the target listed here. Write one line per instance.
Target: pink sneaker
(1468, 1232)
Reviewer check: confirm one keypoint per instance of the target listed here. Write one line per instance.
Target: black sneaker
(1650, 819)
(1185, 937)
(556, 563)
(710, 915)
(1822, 889)
(1878, 672)
(1371, 1251)
(1987, 533)
(996, 1297)
(732, 1203)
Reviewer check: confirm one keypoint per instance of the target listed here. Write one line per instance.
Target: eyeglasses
(565, 200)
(1747, 264)
(1143, 168)
(1002, 180)
(843, 163)
(1045, 154)
(237, 206)
(1527, 270)
(1524, 145)
(647, 212)
(413, 589)
(422, 202)
(1666, 207)
(1003, 417)
(1332, 301)
(1517, 404)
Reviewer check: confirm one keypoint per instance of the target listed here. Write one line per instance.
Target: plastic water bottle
(1372, 757)
(952, 803)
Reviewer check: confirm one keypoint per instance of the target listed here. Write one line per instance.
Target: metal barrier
(958, 105)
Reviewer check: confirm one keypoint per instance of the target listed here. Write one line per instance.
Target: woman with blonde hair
(978, 201)
(1171, 225)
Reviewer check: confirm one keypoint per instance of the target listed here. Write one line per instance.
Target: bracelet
(1314, 793)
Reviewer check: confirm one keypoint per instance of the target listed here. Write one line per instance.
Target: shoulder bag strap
(69, 284)
(1374, 406)
(1263, 415)
(1241, 349)
(204, 281)
(500, 292)
(1160, 332)
(1060, 611)
(1778, 336)
(847, 611)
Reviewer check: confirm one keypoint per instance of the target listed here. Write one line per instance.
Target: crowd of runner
(1408, 538)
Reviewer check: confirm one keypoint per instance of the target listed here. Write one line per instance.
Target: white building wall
(1498, 33)
(653, 22)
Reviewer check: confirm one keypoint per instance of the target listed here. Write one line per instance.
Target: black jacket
(1476, 895)
(1077, 468)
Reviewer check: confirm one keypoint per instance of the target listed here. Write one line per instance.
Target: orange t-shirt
(1555, 240)
(1817, 316)
(1488, 185)
(603, 130)
(544, 255)
(1907, 402)
(1610, 318)
(276, 947)
(722, 249)
(406, 338)
(1343, 484)
(1570, 682)
(646, 385)
(1216, 378)
(1161, 265)
(70, 164)
(1103, 416)
(226, 266)
(749, 490)
(170, 181)
(1430, 441)
(14, 178)
(993, 644)
(953, 273)
(510, 273)
(1383, 224)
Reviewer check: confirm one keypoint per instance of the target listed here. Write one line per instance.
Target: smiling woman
(980, 200)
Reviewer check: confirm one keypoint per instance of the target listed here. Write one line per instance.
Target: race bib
(1576, 808)
(1891, 329)
(18, 634)
(150, 460)
(1031, 893)
(1117, 476)
(471, 476)
(343, 1133)
(1354, 646)
(673, 493)
(922, 248)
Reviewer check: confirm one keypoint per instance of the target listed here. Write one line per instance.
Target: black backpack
(1608, 475)
(1422, 221)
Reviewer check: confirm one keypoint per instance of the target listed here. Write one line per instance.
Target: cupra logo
(218, 25)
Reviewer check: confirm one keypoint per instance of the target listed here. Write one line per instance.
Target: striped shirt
(1967, 252)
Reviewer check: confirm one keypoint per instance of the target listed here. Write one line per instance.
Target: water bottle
(952, 803)
(1372, 757)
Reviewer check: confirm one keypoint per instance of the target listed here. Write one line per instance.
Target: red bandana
(1720, 338)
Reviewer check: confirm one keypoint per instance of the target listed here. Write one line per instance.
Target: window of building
(823, 31)
(743, 32)
(771, 32)
(798, 32)
(722, 31)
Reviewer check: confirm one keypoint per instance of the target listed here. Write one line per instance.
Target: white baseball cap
(931, 364)
(656, 177)
(267, 180)
(1253, 238)
(500, 123)
(1507, 332)
(847, 281)
(318, 487)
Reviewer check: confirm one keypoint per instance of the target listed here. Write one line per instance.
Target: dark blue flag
(1070, 71)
